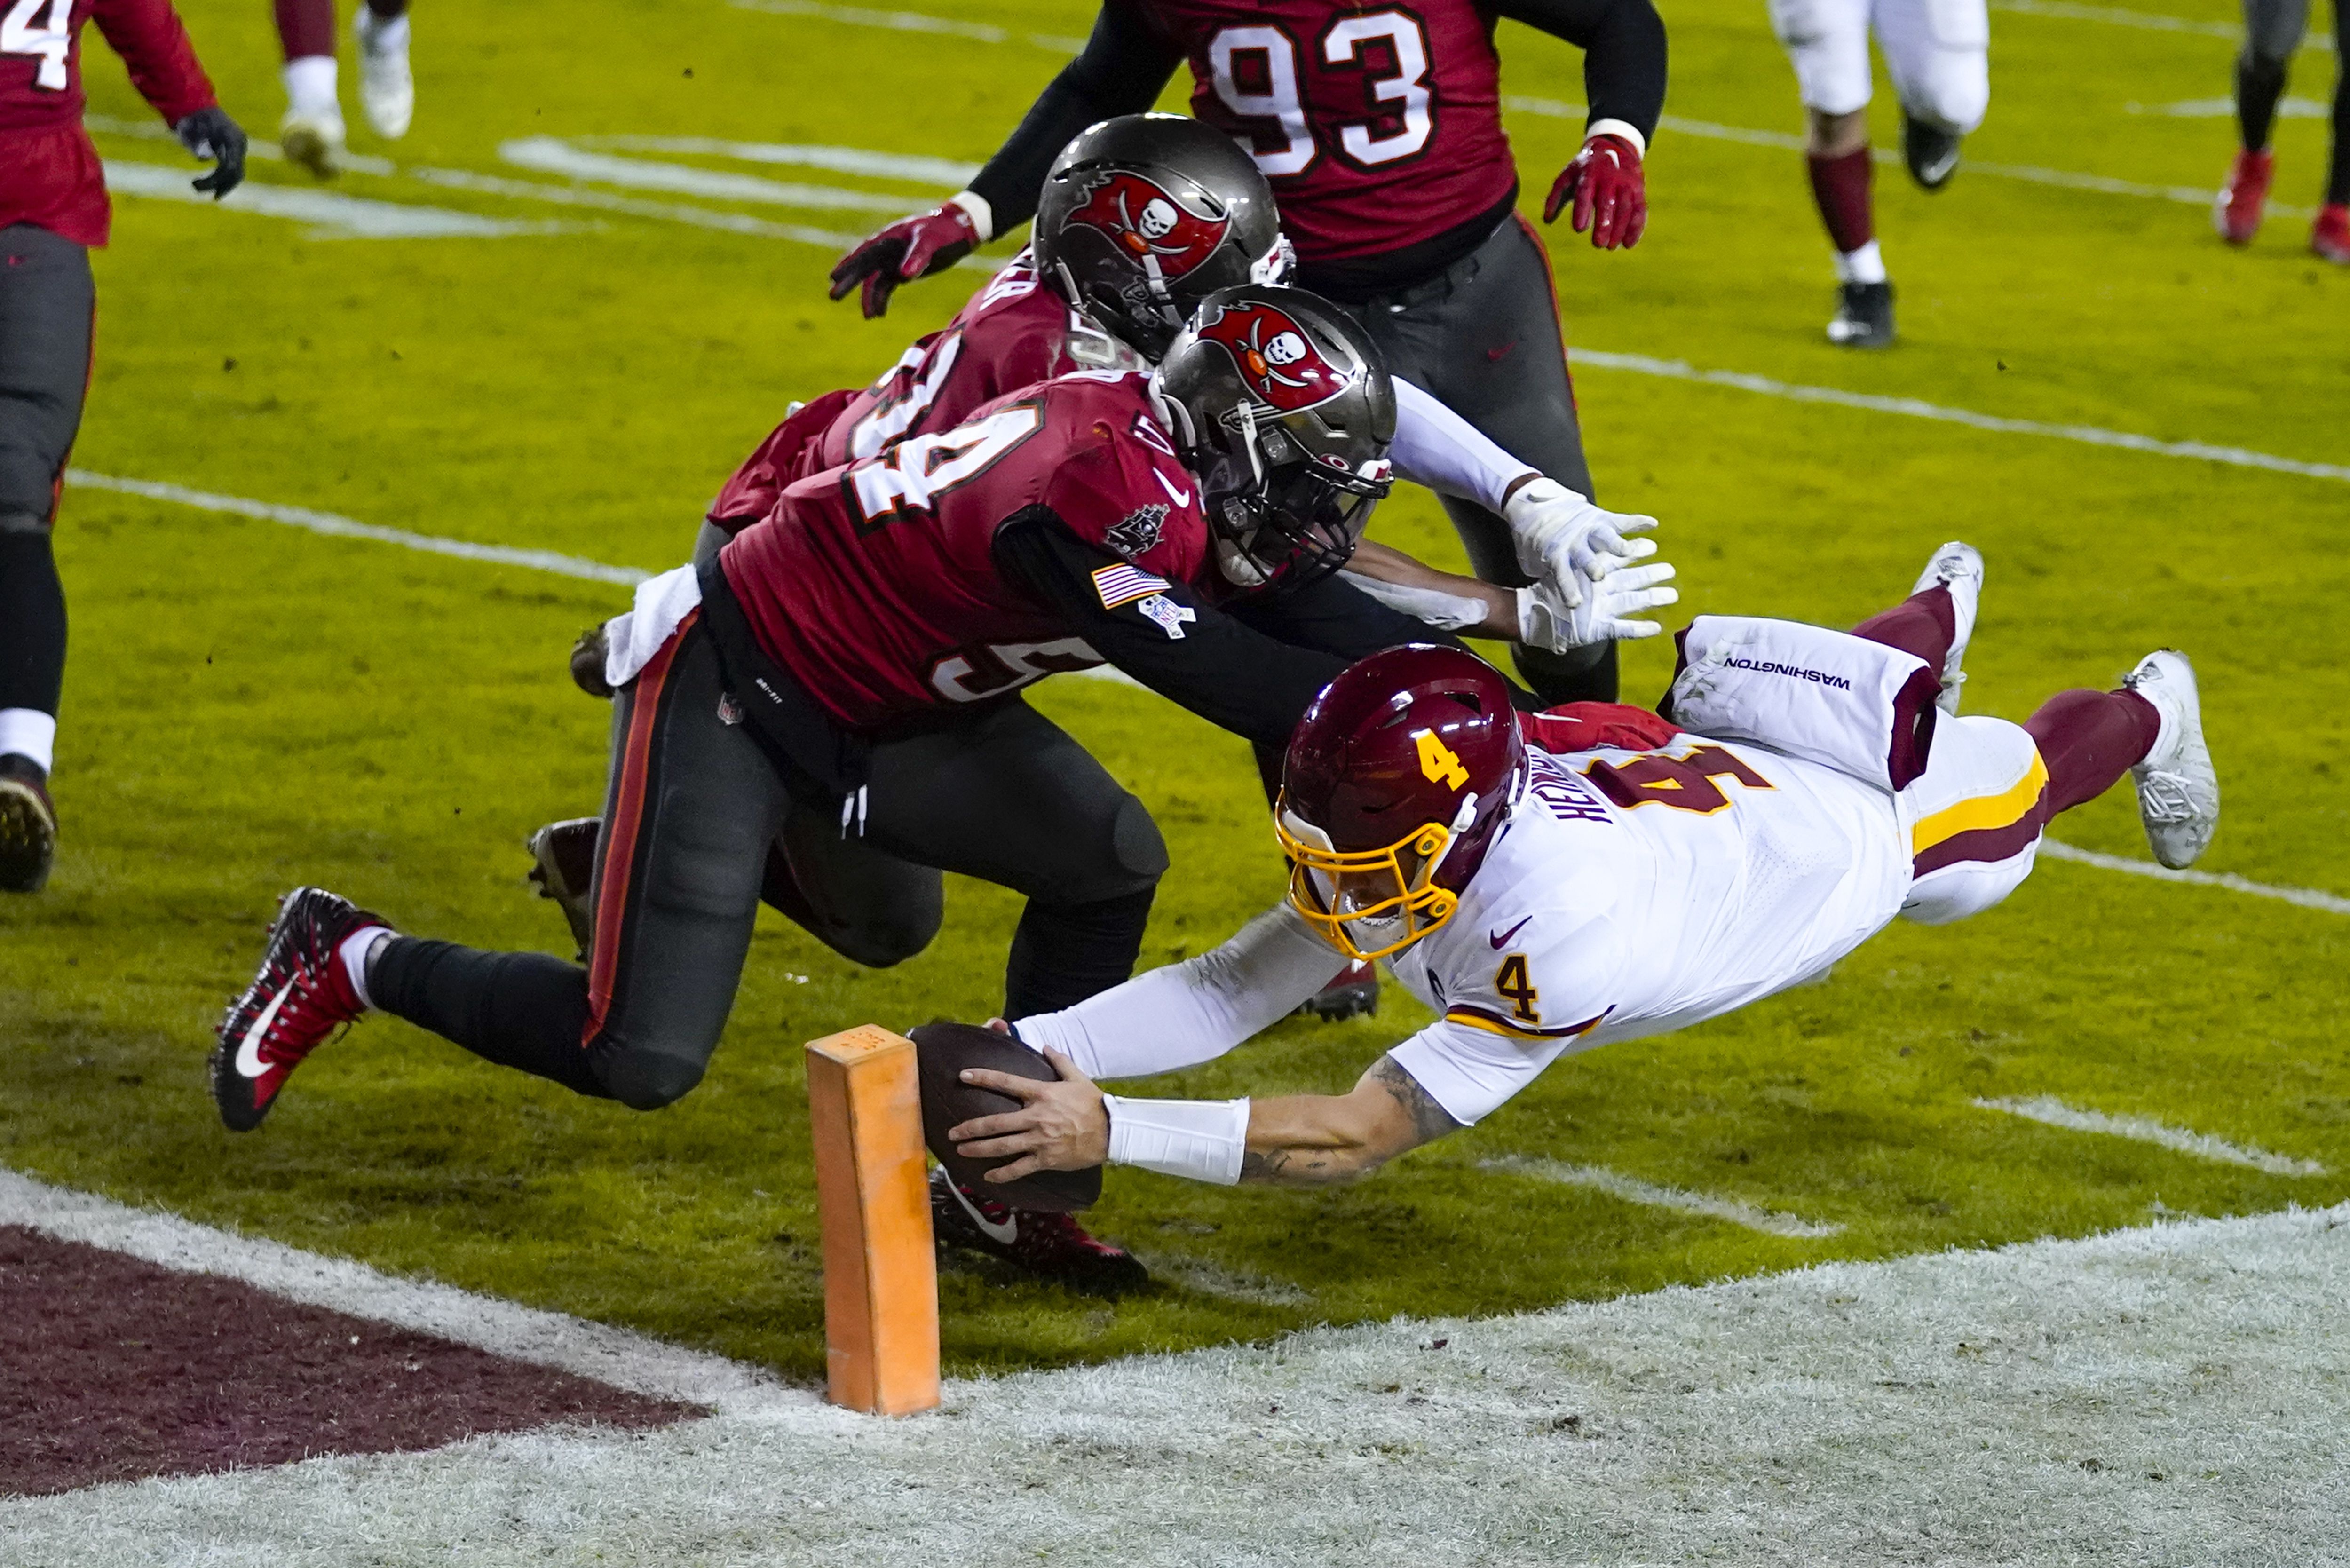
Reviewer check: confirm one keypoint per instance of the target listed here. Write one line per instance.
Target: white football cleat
(312, 139)
(387, 89)
(2177, 788)
(1958, 567)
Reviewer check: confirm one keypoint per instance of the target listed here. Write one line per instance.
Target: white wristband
(1623, 128)
(1198, 1140)
(982, 215)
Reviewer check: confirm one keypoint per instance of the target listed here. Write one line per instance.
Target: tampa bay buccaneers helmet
(1144, 215)
(1282, 405)
(1396, 780)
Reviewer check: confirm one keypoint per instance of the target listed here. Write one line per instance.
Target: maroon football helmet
(1398, 778)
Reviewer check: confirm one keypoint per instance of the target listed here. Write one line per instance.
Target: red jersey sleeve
(153, 43)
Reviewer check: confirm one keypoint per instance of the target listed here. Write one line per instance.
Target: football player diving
(844, 673)
(1550, 883)
(1380, 131)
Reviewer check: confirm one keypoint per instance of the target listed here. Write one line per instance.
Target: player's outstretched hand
(210, 133)
(1609, 192)
(1059, 1127)
(1602, 611)
(907, 249)
(1560, 535)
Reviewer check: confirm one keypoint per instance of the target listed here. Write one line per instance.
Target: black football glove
(210, 133)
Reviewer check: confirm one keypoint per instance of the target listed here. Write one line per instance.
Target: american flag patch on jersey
(1122, 585)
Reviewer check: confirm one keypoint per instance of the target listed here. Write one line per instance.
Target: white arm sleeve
(1430, 607)
(1193, 1011)
(1438, 448)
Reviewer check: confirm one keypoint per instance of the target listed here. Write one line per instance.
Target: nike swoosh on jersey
(1181, 497)
(248, 1050)
(1003, 1235)
(1500, 940)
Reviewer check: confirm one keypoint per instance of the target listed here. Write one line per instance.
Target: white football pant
(1938, 50)
(1974, 818)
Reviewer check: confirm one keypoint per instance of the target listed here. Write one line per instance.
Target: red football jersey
(876, 585)
(1015, 332)
(49, 172)
(1378, 128)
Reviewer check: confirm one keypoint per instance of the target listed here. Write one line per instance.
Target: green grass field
(250, 706)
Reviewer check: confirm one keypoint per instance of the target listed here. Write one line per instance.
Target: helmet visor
(1368, 903)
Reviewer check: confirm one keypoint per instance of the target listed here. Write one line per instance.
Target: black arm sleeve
(1623, 45)
(1121, 70)
(1235, 678)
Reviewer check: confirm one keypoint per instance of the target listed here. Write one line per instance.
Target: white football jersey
(1637, 892)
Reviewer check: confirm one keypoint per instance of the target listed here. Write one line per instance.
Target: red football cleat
(301, 996)
(1355, 994)
(2242, 201)
(1052, 1246)
(2330, 235)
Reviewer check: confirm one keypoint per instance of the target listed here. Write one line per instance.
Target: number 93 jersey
(1632, 893)
(1378, 125)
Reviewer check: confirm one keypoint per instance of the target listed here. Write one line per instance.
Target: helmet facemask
(1369, 904)
(1283, 515)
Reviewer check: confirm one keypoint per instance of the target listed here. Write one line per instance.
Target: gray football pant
(46, 299)
(2273, 31)
(1484, 338)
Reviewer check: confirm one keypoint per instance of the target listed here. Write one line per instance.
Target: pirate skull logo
(1276, 359)
(1149, 224)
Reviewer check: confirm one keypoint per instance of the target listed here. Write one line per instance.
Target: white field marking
(946, 172)
(911, 22)
(2175, 1394)
(1214, 1280)
(553, 155)
(335, 216)
(260, 147)
(2053, 1112)
(612, 1355)
(2116, 15)
(2307, 898)
(2223, 108)
(342, 527)
(1632, 1189)
(1913, 408)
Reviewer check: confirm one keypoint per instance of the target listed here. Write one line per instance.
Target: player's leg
(2272, 32)
(1939, 52)
(311, 134)
(1828, 42)
(46, 301)
(2329, 236)
(386, 87)
(1938, 619)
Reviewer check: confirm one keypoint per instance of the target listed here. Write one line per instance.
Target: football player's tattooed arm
(1624, 53)
(1235, 678)
(1314, 1141)
(1121, 70)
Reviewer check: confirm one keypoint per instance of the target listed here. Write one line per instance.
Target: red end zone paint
(112, 1369)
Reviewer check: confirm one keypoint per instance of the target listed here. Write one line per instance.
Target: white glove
(1548, 621)
(1563, 538)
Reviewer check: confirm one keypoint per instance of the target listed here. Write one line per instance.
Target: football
(944, 1050)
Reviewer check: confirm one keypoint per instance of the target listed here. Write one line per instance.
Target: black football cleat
(1864, 318)
(563, 866)
(1051, 1246)
(300, 997)
(28, 826)
(1931, 152)
(1354, 994)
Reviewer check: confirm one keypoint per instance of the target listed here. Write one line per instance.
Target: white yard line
(2114, 15)
(2179, 1394)
(912, 22)
(945, 173)
(553, 155)
(2307, 898)
(1632, 1189)
(333, 214)
(2053, 1112)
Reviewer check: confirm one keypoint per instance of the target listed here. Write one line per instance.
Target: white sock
(29, 732)
(357, 949)
(384, 37)
(1862, 265)
(310, 85)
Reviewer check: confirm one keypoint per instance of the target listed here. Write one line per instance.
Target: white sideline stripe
(553, 155)
(342, 527)
(946, 172)
(2176, 1394)
(2053, 1112)
(1913, 408)
(1632, 1189)
(2119, 17)
(613, 1355)
(911, 22)
(337, 216)
(2307, 898)
(2222, 108)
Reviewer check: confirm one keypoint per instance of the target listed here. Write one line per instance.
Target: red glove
(1609, 192)
(1588, 726)
(907, 249)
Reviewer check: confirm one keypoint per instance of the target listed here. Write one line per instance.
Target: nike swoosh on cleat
(1506, 936)
(248, 1050)
(1003, 1235)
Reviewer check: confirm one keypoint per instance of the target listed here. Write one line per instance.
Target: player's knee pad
(1137, 856)
(1828, 42)
(884, 937)
(645, 1080)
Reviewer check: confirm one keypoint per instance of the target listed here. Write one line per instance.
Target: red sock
(307, 28)
(2089, 738)
(1924, 624)
(1840, 185)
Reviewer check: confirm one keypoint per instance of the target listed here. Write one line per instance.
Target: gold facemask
(1395, 904)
